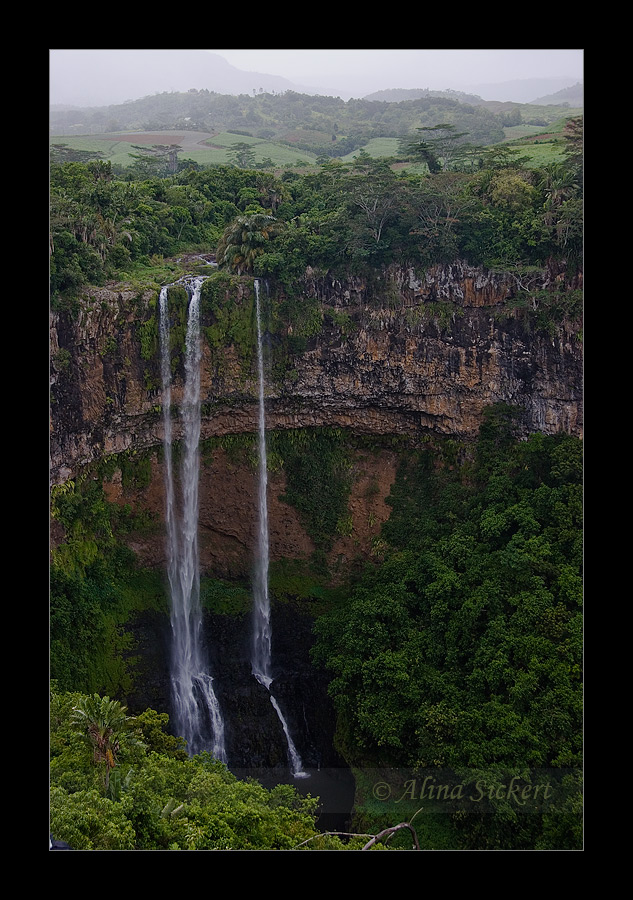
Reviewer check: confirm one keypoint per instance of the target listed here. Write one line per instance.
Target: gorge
(408, 358)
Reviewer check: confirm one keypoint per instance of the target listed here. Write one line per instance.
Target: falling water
(261, 661)
(261, 626)
(196, 709)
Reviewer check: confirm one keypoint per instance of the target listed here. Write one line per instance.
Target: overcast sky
(102, 76)
(436, 69)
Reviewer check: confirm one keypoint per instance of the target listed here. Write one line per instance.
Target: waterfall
(261, 625)
(295, 760)
(262, 633)
(196, 708)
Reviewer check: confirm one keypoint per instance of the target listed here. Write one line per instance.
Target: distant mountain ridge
(110, 77)
(523, 90)
(507, 92)
(398, 95)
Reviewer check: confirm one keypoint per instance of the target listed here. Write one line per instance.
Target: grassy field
(541, 152)
(541, 144)
(202, 148)
(376, 147)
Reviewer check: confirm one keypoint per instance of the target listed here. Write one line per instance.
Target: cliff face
(408, 355)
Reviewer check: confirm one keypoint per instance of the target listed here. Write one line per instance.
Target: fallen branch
(389, 831)
(374, 838)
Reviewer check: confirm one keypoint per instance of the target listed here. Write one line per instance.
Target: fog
(85, 77)
(358, 72)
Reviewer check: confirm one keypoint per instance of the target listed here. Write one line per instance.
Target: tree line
(312, 122)
(480, 204)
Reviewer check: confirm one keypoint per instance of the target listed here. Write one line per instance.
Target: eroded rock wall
(417, 353)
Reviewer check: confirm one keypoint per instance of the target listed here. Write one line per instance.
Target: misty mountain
(397, 95)
(548, 91)
(88, 78)
(574, 96)
(522, 90)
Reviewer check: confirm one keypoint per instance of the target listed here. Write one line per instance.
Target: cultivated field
(204, 149)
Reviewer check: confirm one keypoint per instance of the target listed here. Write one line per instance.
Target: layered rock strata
(418, 354)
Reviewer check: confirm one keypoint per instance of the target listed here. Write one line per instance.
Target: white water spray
(262, 634)
(196, 708)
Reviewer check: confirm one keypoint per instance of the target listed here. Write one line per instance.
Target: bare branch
(374, 838)
(389, 831)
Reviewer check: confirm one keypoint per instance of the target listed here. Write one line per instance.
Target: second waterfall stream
(262, 632)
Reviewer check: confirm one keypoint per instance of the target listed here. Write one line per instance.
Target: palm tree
(243, 241)
(558, 183)
(102, 723)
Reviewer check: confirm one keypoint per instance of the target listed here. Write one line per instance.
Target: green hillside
(290, 129)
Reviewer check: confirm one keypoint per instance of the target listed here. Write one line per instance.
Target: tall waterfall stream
(196, 708)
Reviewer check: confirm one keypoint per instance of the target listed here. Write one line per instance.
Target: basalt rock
(419, 353)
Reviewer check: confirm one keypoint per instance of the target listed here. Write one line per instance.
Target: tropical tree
(374, 190)
(104, 724)
(559, 183)
(271, 191)
(159, 160)
(440, 202)
(574, 143)
(61, 153)
(244, 240)
(242, 155)
(439, 146)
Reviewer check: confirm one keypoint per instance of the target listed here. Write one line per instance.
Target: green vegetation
(227, 309)
(455, 656)
(281, 127)
(224, 598)
(457, 650)
(462, 651)
(119, 783)
(317, 466)
(95, 586)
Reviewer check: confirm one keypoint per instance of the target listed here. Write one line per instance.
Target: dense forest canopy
(459, 645)
(462, 652)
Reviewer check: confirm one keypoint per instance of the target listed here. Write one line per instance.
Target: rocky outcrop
(407, 354)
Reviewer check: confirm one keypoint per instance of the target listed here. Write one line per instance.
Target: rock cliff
(408, 354)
